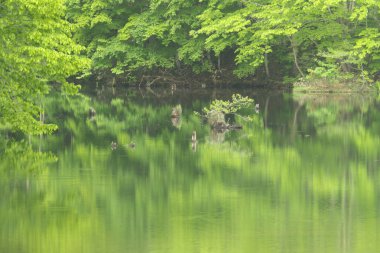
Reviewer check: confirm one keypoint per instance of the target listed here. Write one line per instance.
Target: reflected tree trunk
(294, 124)
(346, 211)
(266, 112)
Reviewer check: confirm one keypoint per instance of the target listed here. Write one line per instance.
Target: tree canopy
(44, 42)
(318, 39)
(36, 50)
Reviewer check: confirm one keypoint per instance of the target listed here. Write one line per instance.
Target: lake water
(301, 176)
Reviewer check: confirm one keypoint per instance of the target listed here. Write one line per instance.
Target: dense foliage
(336, 39)
(45, 42)
(36, 49)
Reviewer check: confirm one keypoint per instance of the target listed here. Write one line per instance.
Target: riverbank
(322, 86)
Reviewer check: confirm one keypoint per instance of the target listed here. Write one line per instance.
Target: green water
(301, 176)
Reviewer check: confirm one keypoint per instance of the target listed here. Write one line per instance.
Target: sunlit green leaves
(238, 102)
(37, 50)
(197, 34)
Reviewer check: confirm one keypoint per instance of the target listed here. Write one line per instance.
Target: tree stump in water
(218, 122)
(215, 117)
(176, 111)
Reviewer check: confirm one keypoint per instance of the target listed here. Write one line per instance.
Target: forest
(189, 126)
(44, 43)
(244, 39)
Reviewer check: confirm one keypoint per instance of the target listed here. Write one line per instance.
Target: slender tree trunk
(295, 55)
(350, 5)
(219, 63)
(209, 59)
(177, 61)
(266, 65)
(42, 120)
(42, 116)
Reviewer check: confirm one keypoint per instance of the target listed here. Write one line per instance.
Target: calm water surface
(302, 176)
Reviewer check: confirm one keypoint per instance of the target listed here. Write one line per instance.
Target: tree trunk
(350, 5)
(266, 65)
(295, 56)
(219, 63)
